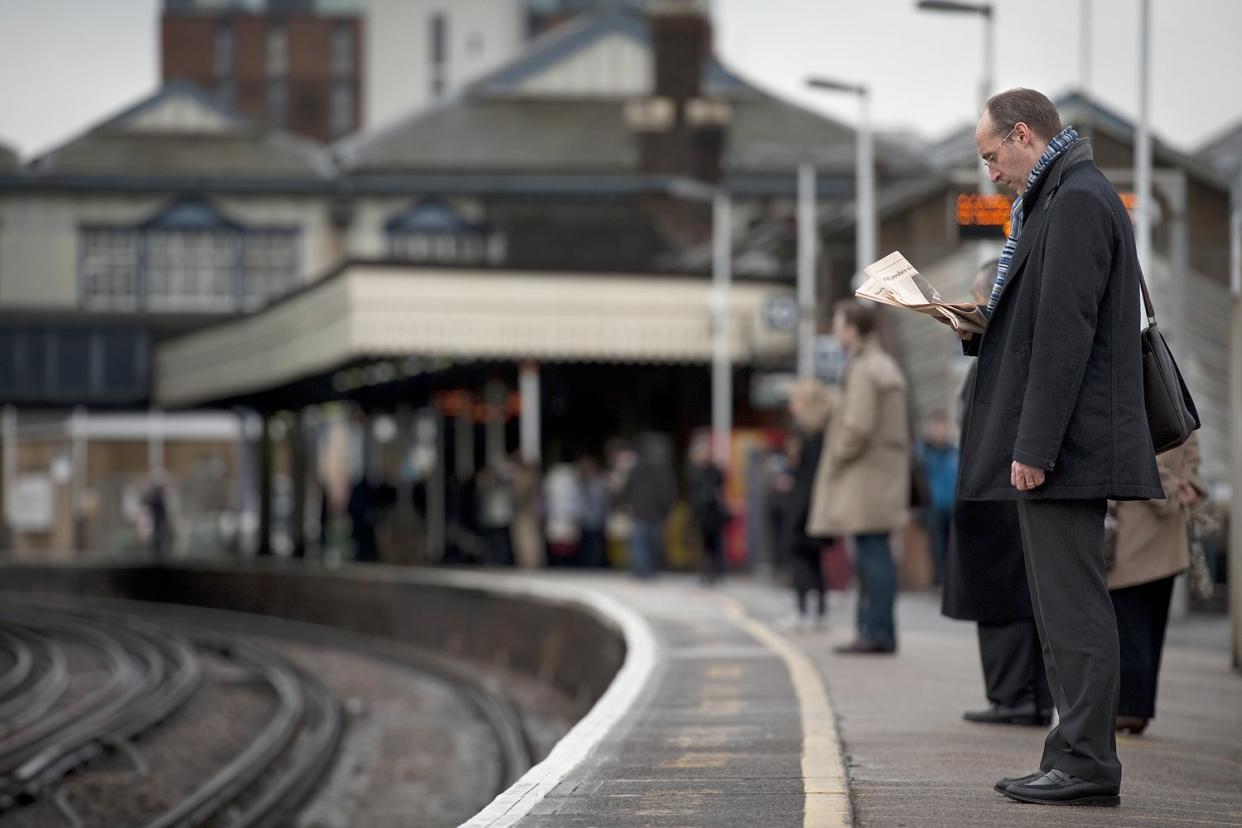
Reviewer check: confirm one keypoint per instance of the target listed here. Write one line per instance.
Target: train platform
(722, 718)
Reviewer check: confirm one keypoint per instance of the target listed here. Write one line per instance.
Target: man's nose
(994, 175)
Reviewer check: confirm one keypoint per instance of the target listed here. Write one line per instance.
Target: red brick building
(294, 65)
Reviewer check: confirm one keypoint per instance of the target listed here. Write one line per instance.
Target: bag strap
(1151, 311)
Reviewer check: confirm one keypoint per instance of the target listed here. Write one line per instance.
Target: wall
(481, 35)
(562, 644)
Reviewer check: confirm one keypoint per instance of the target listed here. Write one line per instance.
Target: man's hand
(1025, 478)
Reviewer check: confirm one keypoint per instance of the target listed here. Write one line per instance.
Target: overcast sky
(68, 63)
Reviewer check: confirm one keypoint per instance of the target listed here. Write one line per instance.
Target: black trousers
(1013, 664)
(808, 575)
(1142, 617)
(1062, 545)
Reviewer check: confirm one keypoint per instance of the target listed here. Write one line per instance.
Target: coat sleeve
(1077, 261)
(857, 418)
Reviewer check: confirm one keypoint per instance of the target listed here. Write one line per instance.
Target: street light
(984, 10)
(1142, 140)
(864, 202)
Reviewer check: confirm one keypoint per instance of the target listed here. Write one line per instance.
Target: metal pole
(866, 238)
(986, 83)
(79, 475)
(265, 485)
(1084, 45)
(722, 367)
(9, 428)
(530, 424)
(155, 442)
(435, 492)
(494, 395)
(1142, 154)
(1235, 373)
(806, 268)
(463, 445)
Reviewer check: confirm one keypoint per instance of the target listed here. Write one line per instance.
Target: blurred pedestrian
(649, 494)
(156, 501)
(593, 495)
(562, 498)
(1151, 547)
(1057, 421)
(862, 485)
(526, 531)
(938, 451)
(494, 505)
(705, 482)
(985, 582)
(363, 515)
(810, 403)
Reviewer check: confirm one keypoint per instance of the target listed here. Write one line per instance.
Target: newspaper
(894, 281)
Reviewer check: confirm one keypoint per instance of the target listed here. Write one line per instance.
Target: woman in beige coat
(862, 486)
(1151, 549)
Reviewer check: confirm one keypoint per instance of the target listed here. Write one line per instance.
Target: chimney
(680, 131)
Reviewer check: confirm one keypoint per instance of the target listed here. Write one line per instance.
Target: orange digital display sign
(981, 215)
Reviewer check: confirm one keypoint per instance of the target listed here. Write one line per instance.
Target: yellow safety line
(823, 772)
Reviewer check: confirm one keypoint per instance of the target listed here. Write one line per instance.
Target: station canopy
(374, 311)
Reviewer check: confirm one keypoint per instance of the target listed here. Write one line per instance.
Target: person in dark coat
(1057, 423)
(648, 496)
(705, 486)
(985, 582)
(810, 405)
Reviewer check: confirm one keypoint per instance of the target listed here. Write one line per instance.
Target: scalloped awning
(384, 310)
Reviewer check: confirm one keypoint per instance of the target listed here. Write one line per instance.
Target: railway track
(86, 683)
(53, 724)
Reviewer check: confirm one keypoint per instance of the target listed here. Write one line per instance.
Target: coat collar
(1037, 200)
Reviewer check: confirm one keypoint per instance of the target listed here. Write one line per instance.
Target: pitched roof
(957, 150)
(180, 130)
(559, 107)
(1224, 152)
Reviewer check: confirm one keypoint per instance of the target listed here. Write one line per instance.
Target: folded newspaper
(894, 281)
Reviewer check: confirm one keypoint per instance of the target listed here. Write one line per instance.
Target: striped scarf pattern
(1056, 146)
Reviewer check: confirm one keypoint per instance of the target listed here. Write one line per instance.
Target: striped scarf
(1056, 146)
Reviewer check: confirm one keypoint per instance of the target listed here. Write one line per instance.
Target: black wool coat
(1059, 381)
(984, 574)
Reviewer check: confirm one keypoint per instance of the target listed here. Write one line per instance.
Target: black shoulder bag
(1171, 413)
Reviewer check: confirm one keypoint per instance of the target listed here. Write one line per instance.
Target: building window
(342, 108)
(277, 51)
(224, 60)
(277, 102)
(433, 233)
(342, 57)
(109, 267)
(270, 264)
(439, 55)
(191, 270)
(188, 258)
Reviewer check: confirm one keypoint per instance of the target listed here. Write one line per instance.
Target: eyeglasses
(989, 158)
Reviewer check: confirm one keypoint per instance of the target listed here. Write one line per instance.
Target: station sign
(986, 215)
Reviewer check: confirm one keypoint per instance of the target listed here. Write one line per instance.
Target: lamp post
(864, 202)
(722, 357)
(984, 10)
(1142, 142)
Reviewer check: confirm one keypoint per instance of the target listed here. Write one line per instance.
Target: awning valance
(382, 310)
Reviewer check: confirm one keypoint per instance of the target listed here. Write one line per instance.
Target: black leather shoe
(1003, 785)
(1056, 787)
(1131, 724)
(1021, 714)
(864, 647)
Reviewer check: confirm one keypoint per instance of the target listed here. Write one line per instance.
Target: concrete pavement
(719, 737)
